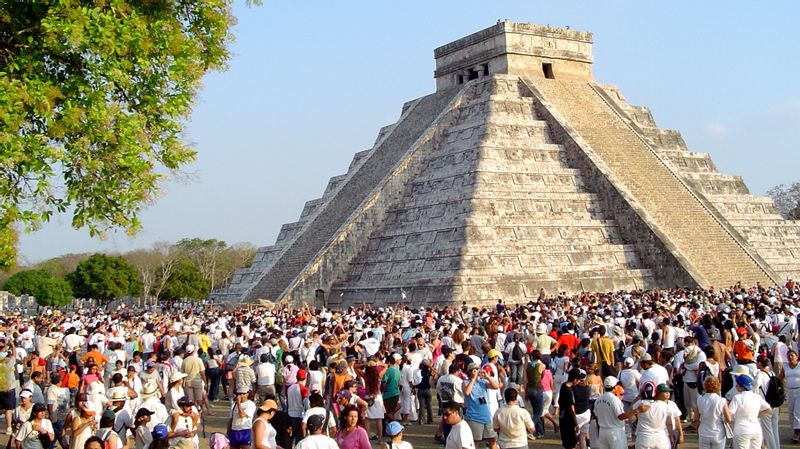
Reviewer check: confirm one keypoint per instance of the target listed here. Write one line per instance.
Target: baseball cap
(394, 428)
(664, 388)
(315, 422)
(493, 353)
(745, 382)
(143, 412)
(26, 394)
(610, 382)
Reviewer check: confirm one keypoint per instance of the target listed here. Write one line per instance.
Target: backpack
(517, 353)
(775, 394)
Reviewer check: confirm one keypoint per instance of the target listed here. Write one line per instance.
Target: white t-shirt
(629, 379)
(321, 412)
(656, 374)
(317, 442)
(59, 398)
(30, 438)
(295, 400)
(710, 406)
(239, 423)
(653, 422)
(607, 409)
(460, 437)
(745, 407)
(265, 372)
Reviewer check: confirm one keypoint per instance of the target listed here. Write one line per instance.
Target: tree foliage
(185, 282)
(94, 98)
(104, 277)
(787, 200)
(205, 254)
(47, 289)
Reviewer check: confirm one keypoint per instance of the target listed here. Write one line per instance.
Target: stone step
(640, 171)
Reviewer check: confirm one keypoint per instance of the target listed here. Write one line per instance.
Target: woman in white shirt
(746, 408)
(29, 434)
(710, 414)
(656, 417)
(769, 422)
(263, 432)
(791, 377)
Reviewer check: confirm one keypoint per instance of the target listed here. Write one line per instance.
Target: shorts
(239, 437)
(481, 431)
(390, 404)
(8, 400)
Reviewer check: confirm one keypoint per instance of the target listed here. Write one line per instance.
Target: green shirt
(392, 380)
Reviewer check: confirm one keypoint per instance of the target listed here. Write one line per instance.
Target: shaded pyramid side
(495, 213)
(694, 232)
(756, 218)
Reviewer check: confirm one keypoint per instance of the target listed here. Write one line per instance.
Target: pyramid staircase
(701, 239)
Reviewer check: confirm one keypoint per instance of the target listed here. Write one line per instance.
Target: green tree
(94, 97)
(104, 277)
(787, 200)
(185, 282)
(205, 254)
(47, 289)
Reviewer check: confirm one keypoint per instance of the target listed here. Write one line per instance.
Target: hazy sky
(311, 83)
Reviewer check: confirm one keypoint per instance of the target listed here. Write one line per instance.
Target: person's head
(395, 430)
(712, 385)
(451, 412)
(510, 395)
(316, 400)
(315, 423)
(107, 418)
(39, 411)
(142, 416)
(26, 397)
(663, 392)
(185, 403)
(792, 357)
(268, 408)
(93, 442)
(349, 416)
(36, 377)
(744, 382)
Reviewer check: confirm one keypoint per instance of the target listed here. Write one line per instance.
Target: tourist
(58, 399)
(532, 379)
(240, 421)
(111, 440)
(747, 407)
(710, 415)
(769, 422)
(477, 415)
(568, 418)
(142, 435)
(610, 418)
(512, 423)
(460, 435)
(83, 421)
(184, 423)
(395, 432)
(315, 439)
(22, 412)
(791, 377)
(264, 434)
(36, 432)
(655, 423)
(350, 434)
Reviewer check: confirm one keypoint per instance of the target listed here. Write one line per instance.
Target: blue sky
(311, 83)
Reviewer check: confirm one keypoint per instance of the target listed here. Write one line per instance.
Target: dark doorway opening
(319, 297)
(547, 68)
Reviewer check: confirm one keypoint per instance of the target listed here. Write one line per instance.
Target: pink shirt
(547, 380)
(357, 439)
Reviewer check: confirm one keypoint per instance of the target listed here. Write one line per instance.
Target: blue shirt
(477, 403)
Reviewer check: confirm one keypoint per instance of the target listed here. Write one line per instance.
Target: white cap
(610, 382)
(189, 349)
(289, 359)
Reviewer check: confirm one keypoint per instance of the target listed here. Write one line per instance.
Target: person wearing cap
(609, 418)
(22, 412)
(544, 343)
(264, 435)
(663, 394)
(747, 407)
(195, 382)
(36, 429)
(175, 391)
(184, 423)
(150, 401)
(710, 415)
(316, 406)
(316, 439)
(652, 371)
(395, 433)
(240, 421)
(106, 432)
(295, 396)
(478, 416)
(142, 434)
(512, 423)
(654, 419)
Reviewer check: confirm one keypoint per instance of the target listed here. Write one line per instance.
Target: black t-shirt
(565, 399)
(581, 393)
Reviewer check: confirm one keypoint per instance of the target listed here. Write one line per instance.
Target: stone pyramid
(520, 173)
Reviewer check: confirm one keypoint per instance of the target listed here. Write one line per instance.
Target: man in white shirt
(295, 409)
(316, 439)
(610, 416)
(652, 372)
(460, 436)
(265, 378)
(451, 387)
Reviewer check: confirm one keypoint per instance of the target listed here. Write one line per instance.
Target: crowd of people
(606, 369)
